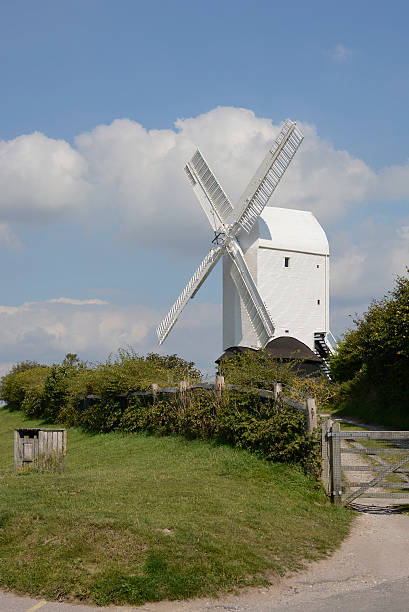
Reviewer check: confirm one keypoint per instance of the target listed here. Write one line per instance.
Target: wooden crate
(44, 449)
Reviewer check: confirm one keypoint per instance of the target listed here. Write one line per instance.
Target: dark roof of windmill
(284, 347)
(232, 351)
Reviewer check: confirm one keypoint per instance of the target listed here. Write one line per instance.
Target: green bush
(24, 386)
(53, 392)
(260, 370)
(267, 428)
(372, 361)
(242, 419)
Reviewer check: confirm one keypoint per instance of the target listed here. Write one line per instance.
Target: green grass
(137, 518)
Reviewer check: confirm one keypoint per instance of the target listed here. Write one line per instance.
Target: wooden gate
(365, 464)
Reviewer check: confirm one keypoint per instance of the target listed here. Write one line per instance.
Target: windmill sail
(211, 196)
(247, 289)
(227, 222)
(189, 291)
(267, 177)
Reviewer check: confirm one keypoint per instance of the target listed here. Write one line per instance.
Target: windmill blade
(211, 196)
(247, 289)
(267, 177)
(189, 291)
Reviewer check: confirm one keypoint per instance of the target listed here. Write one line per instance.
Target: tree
(373, 359)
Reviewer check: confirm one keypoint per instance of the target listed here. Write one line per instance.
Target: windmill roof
(284, 347)
(293, 230)
(232, 351)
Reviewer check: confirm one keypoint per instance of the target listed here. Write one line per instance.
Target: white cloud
(131, 179)
(40, 176)
(8, 239)
(365, 266)
(347, 272)
(325, 181)
(403, 233)
(340, 53)
(46, 331)
(74, 302)
(367, 261)
(393, 183)
(56, 327)
(139, 181)
(5, 367)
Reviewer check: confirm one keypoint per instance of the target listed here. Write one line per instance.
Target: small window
(318, 265)
(318, 302)
(287, 331)
(286, 262)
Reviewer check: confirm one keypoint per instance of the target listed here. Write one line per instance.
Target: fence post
(335, 458)
(326, 476)
(220, 386)
(311, 413)
(155, 391)
(277, 390)
(183, 392)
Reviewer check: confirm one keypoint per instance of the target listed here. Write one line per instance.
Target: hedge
(55, 393)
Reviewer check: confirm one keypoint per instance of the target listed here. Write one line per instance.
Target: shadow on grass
(159, 579)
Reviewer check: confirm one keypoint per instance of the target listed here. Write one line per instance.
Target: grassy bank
(137, 518)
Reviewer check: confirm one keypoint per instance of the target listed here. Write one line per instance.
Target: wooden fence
(307, 406)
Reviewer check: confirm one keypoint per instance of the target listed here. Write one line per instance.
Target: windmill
(230, 226)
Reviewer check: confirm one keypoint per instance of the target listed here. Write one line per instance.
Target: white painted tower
(287, 254)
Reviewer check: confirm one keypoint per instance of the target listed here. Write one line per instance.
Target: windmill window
(287, 331)
(318, 265)
(286, 262)
(318, 302)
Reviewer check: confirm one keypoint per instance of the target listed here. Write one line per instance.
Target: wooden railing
(308, 406)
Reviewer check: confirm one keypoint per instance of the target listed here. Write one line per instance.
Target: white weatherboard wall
(296, 296)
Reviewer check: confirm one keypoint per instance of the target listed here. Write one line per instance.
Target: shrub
(21, 385)
(372, 361)
(267, 428)
(256, 369)
(260, 370)
(59, 393)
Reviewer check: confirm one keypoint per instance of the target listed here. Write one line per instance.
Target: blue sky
(102, 216)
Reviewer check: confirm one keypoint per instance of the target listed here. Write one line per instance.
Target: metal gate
(365, 464)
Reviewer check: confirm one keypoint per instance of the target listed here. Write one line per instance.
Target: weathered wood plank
(375, 435)
(310, 415)
(326, 471)
(17, 462)
(373, 451)
(55, 442)
(336, 465)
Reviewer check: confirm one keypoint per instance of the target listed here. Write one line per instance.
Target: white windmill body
(288, 256)
(275, 270)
